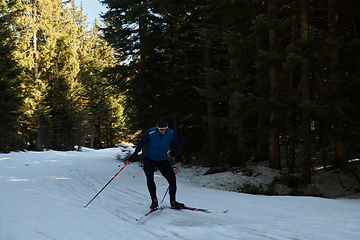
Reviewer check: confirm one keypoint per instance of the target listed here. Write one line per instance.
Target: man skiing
(158, 139)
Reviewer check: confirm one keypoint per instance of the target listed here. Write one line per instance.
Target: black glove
(179, 158)
(132, 157)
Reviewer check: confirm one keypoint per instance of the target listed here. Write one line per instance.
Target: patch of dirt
(328, 183)
(337, 183)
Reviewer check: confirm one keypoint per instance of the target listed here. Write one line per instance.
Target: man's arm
(142, 142)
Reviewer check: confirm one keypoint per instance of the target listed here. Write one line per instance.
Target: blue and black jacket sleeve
(142, 141)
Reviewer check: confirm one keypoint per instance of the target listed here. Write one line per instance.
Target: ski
(192, 209)
(184, 208)
(150, 212)
(197, 209)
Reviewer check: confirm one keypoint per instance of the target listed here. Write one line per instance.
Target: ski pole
(169, 186)
(106, 184)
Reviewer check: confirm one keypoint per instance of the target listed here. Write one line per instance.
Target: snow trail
(43, 196)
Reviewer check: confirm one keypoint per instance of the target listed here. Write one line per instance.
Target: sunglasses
(162, 128)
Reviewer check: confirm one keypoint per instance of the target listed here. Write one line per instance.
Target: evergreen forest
(238, 80)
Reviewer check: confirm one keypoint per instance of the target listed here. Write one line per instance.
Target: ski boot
(177, 205)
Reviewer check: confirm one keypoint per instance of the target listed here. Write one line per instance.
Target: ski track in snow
(43, 195)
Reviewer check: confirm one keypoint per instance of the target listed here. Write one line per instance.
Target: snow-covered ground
(42, 196)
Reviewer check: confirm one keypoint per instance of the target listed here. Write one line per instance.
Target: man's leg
(149, 169)
(168, 173)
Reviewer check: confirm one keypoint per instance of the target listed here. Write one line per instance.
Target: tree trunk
(236, 125)
(143, 30)
(174, 81)
(209, 86)
(92, 137)
(290, 149)
(274, 161)
(262, 151)
(36, 76)
(262, 148)
(340, 151)
(306, 164)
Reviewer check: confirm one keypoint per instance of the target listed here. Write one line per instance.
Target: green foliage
(62, 64)
(312, 192)
(103, 103)
(10, 90)
(225, 86)
(232, 77)
(260, 189)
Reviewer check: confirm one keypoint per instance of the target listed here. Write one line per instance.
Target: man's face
(162, 130)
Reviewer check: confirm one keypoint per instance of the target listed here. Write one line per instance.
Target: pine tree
(35, 43)
(181, 66)
(152, 39)
(266, 73)
(137, 36)
(10, 90)
(103, 104)
(340, 151)
(66, 90)
(306, 97)
(210, 83)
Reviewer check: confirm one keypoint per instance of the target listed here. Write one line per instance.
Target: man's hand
(132, 157)
(179, 158)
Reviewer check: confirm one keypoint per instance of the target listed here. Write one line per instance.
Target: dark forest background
(236, 79)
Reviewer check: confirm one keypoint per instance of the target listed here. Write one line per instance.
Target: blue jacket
(158, 144)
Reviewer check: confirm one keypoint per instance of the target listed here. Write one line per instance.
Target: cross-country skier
(158, 139)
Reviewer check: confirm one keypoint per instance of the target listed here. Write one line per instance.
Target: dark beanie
(161, 122)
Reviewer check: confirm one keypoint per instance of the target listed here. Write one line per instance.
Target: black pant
(166, 170)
